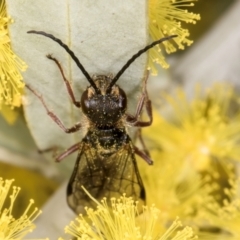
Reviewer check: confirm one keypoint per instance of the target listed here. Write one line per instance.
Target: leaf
(103, 34)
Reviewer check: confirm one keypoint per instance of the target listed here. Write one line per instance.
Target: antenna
(71, 53)
(134, 57)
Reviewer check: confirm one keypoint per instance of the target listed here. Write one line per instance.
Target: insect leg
(133, 120)
(69, 151)
(143, 155)
(144, 100)
(139, 136)
(60, 157)
(69, 88)
(74, 128)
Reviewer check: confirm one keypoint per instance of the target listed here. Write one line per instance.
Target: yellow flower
(10, 227)
(122, 221)
(165, 17)
(226, 217)
(171, 187)
(11, 82)
(190, 142)
(201, 130)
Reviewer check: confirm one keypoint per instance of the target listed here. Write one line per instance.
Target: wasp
(106, 164)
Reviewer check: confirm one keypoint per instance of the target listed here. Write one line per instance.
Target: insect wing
(104, 176)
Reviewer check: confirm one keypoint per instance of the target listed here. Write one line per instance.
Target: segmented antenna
(134, 57)
(71, 53)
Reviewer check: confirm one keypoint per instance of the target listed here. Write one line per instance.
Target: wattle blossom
(11, 66)
(11, 227)
(165, 19)
(122, 221)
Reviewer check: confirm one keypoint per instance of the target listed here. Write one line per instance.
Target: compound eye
(122, 99)
(85, 102)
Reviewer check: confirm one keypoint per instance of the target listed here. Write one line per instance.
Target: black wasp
(106, 164)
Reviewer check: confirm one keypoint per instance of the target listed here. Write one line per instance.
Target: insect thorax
(107, 141)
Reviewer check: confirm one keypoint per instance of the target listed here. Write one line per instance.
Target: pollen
(195, 144)
(11, 66)
(225, 216)
(122, 221)
(200, 128)
(11, 227)
(165, 18)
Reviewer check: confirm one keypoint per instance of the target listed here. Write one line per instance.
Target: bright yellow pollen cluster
(200, 128)
(11, 83)
(122, 221)
(194, 144)
(165, 17)
(227, 215)
(11, 228)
